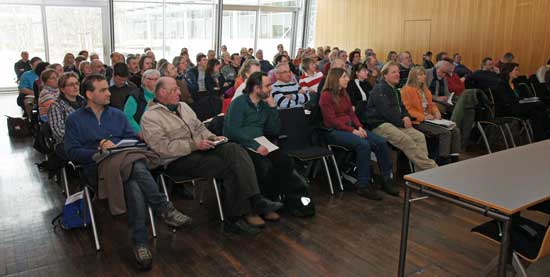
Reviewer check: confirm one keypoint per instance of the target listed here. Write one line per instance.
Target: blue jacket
(83, 132)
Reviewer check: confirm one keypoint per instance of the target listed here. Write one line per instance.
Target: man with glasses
(136, 104)
(172, 130)
(287, 94)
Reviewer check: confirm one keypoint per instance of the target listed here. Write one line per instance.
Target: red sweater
(455, 84)
(339, 116)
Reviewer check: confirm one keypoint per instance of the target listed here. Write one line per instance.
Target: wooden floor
(349, 236)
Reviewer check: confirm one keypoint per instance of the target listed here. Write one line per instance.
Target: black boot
(369, 192)
(389, 185)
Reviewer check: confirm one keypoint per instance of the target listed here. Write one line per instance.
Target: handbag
(74, 213)
(18, 127)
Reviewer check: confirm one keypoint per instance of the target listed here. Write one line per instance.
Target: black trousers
(274, 173)
(228, 162)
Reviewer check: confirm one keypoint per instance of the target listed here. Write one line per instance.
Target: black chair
(543, 207)
(529, 240)
(297, 140)
(188, 179)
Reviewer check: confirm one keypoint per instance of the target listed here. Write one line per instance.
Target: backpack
(299, 203)
(74, 213)
(18, 127)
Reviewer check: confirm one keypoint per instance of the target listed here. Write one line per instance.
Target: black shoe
(143, 256)
(369, 192)
(264, 206)
(241, 227)
(390, 187)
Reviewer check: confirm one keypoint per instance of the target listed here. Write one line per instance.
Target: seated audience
(25, 100)
(120, 87)
(250, 66)
(441, 56)
(173, 131)
(69, 63)
(214, 81)
(22, 65)
(310, 78)
(358, 90)
(49, 92)
(97, 67)
(288, 94)
(265, 65)
(229, 71)
(145, 63)
(169, 70)
(405, 65)
(460, 69)
(84, 137)
(285, 60)
(349, 132)
(392, 57)
(69, 100)
(354, 58)
(485, 78)
(374, 70)
(418, 100)
(195, 78)
(390, 120)
(438, 85)
(507, 98)
(133, 65)
(542, 71)
(427, 60)
(85, 69)
(136, 104)
(506, 58)
(454, 81)
(254, 114)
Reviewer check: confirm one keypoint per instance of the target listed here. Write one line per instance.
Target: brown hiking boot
(255, 220)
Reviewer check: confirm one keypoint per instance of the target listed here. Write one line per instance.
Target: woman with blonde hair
(69, 63)
(417, 99)
(348, 131)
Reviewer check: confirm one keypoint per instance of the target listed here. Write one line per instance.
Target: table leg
(505, 248)
(404, 231)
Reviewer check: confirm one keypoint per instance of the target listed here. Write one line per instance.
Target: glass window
(190, 26)
(280, 3)
(138, 25)
(73, 29)
(20, 30)
(238, 30)
(275, 28)
(241, 2)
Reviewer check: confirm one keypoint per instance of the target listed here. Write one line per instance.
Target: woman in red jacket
(338, 114)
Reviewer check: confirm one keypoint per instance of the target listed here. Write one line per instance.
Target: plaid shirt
(58, 113)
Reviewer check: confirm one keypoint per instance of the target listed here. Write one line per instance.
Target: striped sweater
(311, 83)
(287, 95)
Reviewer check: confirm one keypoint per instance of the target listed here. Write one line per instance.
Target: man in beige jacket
(186, 146)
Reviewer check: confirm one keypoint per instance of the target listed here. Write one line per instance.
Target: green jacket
(246, 121)
(131, 107)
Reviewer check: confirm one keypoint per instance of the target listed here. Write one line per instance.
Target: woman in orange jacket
(417, 99)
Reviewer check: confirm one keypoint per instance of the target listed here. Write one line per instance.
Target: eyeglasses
(152, 79)
(74, 84)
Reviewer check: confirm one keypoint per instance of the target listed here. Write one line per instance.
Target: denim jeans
(362, 148)
(142, 190)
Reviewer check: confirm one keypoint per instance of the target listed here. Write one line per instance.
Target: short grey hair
(279, 65)
(441, 64)
(160, 84)
(150, 73)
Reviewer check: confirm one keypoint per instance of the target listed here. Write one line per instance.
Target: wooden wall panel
(474, 28)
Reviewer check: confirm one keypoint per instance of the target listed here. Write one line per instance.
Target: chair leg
(484, 136)
(507, 126)
(153, 227)
(489, 267)
(328, 175)
(218, 198)
(518, 266)
(163, 184)
(92, 218)
(65, 182)
(503, 136)
(411, 166)
(337, 172)
(528, 130)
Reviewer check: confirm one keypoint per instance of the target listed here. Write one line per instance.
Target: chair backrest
(296, 129)
(545, 246)
(525, 90)
(485, 109)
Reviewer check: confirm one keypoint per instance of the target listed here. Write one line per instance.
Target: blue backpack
(75, 214)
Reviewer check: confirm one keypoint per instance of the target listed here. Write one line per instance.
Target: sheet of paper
(266, 143)
(126, 143)
(443, 122)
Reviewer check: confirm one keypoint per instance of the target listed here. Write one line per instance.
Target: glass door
(239, 29)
